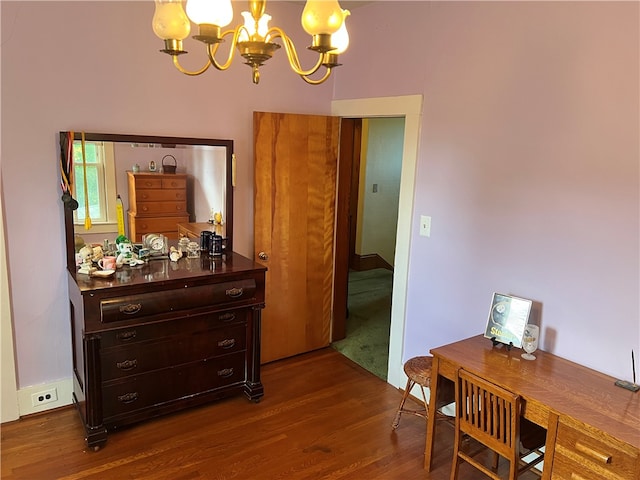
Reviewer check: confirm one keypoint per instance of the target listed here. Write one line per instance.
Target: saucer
(103, 273)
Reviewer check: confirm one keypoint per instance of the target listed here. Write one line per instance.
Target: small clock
(156, 243)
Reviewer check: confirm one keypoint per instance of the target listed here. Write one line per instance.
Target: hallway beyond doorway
(369, 320)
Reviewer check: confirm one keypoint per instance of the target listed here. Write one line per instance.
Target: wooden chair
(418, 372)
(491, 415)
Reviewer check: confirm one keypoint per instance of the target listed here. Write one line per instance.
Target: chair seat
(418, 369)
(418, 372)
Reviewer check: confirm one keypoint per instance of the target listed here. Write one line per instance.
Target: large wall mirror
(109, 160)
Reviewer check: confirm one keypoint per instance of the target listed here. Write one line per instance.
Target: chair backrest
(488, 413)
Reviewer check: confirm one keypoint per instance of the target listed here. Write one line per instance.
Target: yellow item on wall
(120, 215)
(87, 217)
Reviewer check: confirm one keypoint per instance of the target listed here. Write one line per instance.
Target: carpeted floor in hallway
(369, 302)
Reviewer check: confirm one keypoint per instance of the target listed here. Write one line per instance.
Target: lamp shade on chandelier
(324, 20)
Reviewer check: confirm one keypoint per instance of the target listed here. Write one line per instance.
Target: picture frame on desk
(508, 317)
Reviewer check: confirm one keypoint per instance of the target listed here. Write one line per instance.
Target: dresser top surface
(155, 174)
(163, 270)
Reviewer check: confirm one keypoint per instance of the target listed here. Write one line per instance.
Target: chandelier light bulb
(210, 12)
(170, 22)
(322, 17)
(249, 32)
(340, 39)
(253, 39)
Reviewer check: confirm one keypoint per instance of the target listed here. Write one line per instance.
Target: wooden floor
(322, 417)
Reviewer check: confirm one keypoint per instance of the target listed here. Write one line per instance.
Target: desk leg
(442, 392)
(433, 409)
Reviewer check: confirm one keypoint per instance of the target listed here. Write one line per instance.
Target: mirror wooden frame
(151, 139)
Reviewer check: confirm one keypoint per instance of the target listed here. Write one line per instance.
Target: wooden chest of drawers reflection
(157, 203)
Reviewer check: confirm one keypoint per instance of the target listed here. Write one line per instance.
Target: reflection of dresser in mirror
(157, 203)
(193, 230)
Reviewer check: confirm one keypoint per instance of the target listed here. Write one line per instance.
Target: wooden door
(295, 188)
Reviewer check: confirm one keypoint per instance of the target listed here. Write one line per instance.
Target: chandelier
(324, 20)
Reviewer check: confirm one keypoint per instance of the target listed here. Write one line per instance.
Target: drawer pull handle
(131, 308)
(227, 317)
(225, 372)
(128, 397)
(589, 451)
(127, 364)
(234, 292)
(228, 343)
(126, 336)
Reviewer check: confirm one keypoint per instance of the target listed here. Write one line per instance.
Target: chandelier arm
(327, 73)
(176, 62)
(212, 49)
(292, 55)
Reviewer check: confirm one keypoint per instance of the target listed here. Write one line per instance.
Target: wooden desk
(593, 427)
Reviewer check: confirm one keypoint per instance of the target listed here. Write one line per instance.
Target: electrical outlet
(425, 226)
(45, 396)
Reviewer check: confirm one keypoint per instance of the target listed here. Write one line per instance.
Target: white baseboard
(64, 389)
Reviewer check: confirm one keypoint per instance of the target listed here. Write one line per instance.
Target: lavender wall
(528, 160)
(95, 66)
(528, 164)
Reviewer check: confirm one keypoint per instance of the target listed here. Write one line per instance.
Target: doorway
(374, 187)
(409, 107)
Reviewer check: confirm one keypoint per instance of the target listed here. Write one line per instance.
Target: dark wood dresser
(157, 203)
(162, 337)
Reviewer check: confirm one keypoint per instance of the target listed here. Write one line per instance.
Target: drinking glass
(530, 341)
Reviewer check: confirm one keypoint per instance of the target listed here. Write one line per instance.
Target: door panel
(295, 187)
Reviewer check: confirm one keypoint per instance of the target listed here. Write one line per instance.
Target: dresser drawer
(153, 331)
(162, 386)
(174, 182)
(159, 181)
(160, 302)
(582, 452)
(143, 225)
(142, 357)
(155, 195)
(162, 208)
(142, 182)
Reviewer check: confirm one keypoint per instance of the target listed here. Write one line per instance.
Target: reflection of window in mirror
(101, 185)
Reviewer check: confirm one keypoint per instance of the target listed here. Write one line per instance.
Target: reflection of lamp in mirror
(215, 218)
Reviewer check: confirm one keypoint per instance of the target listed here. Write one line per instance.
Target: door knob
(263, 256)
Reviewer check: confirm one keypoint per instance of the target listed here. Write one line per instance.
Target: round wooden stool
(418, 371)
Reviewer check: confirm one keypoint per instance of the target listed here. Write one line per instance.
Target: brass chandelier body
(324, 20)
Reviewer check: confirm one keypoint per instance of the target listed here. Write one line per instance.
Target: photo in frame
(508, 318)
